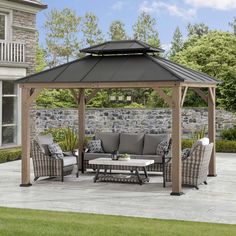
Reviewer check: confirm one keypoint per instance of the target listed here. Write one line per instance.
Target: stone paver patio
(215, 202)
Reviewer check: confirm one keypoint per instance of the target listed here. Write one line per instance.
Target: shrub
(10, 154)
(229, 134)
(221, 145)
(58, 134)
(225, 146)
(187, 143)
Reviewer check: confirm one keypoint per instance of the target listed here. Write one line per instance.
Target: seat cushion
(69, 160)
(151, 141)
(44, 141)
(131, 143)
(110, 141)
(157, 159)
(91, 156)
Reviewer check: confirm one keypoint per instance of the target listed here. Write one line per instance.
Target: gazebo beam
(184, 95)
(200, 93)
(120, 85)
(176, 144)
(81, 114)
(211, 129)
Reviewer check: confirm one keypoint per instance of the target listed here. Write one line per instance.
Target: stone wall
(24, 30)
(128, 120)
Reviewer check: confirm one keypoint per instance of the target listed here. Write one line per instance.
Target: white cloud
(216, 4)
(118, 6)
(157, 6)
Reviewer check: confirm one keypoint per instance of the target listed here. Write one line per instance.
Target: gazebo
(125, 64)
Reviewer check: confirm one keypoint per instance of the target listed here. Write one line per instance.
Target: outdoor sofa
(139, 146)
(45, 164)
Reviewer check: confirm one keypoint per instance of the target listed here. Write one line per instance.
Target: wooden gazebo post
(211, 129)
(176, 141)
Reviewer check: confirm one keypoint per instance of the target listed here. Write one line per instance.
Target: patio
(215, 202)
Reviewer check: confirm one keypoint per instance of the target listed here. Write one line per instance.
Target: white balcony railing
(12, 52)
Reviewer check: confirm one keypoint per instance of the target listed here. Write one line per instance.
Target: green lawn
(20, 222)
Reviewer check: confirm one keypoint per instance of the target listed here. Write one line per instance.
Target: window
(9, 111)
(2, 26)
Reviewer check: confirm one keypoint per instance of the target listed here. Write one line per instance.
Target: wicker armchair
(47, 166)
(194, 168)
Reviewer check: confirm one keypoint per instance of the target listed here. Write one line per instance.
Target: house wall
(24, 24)
(128, 120)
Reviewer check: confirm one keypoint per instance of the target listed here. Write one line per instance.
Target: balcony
(12, 52)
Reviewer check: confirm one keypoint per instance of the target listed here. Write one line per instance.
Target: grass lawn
(21, 222)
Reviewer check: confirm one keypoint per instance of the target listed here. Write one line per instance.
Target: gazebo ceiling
(119, 68)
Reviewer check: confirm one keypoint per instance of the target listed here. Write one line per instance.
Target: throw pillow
(162, 148)
(95, 146)
(55, 150)
(185, 153)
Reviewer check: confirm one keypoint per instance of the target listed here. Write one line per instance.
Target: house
(17, 59)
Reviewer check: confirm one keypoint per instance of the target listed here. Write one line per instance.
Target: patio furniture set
(147, 153)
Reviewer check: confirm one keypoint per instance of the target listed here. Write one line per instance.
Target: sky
(169, 14)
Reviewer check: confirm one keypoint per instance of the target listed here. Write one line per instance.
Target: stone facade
(128, 120)
(24, 31)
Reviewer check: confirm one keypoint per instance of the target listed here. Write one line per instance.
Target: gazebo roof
(113, 67)
(121, 47)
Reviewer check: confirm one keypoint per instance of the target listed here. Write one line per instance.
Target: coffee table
(134, 165)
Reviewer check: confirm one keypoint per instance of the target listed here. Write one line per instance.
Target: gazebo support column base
(26, 185)
(176, 194)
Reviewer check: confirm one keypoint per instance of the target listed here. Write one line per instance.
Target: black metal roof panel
(123, 46)
(122, 68)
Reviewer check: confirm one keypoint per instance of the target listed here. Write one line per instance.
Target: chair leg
(62, 178)
(35, 178)
(77, 174)
(196, 187)
(205, 182)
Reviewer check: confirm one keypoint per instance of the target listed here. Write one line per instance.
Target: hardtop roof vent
(121, 47)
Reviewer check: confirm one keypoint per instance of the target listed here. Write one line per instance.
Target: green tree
(40, 57)
(62, 28)
(233, 25)
(177, 42)
(145, 29)
(215, 55)
(117, 31)
(198, 30)
(91, 33)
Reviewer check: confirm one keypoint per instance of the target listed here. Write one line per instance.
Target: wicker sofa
(139, 146)
(195, 167)
(46, 165)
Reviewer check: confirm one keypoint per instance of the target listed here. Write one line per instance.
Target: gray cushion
(151, 141)
(131, 143)
(110, 141)
(44, 141)
(157, 159)
(91, 156)
(69, 160)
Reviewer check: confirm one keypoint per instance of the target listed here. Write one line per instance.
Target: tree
(91, 33)
(197, 29)
(177, 42)
(145, 29)
(233, 25)
(117, 31)
(215, 55)
(62, 29)
(40, 57)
